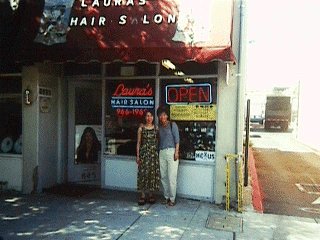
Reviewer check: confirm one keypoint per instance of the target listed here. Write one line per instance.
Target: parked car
(257, 119)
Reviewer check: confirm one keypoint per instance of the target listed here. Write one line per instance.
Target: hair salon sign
(60, 16)
(129, 100)
(187, 21)
(102, 21)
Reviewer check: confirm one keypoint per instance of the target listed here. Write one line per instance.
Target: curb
(256, 191)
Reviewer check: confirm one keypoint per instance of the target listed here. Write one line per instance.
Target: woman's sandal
(152, 200)
(142, 201)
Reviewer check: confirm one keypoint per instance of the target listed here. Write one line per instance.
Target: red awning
(127, 30)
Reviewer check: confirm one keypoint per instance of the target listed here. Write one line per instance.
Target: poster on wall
(54, 23)
(87, 143)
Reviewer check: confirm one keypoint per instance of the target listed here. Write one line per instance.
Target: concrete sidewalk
(106, 214)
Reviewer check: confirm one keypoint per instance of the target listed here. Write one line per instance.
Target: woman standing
(147, 160)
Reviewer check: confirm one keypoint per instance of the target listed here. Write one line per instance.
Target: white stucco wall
(30, 121)
(40, 129)
(11, 170)
(226, 133)
(62, 130)
(48, 128)
(194, 180)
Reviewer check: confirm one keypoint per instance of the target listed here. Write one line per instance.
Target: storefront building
(101, 65)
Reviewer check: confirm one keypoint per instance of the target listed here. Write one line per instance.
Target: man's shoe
(165, 201)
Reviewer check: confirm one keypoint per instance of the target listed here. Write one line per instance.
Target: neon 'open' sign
(200, 93)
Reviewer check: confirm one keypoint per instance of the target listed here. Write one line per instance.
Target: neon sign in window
(132, 100)
(189, 94)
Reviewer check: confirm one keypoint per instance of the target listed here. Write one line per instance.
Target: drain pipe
(241, 77)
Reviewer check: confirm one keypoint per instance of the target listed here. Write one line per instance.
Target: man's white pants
(169, 172)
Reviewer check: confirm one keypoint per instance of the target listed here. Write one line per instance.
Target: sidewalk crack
(133, 223)
(194, 213)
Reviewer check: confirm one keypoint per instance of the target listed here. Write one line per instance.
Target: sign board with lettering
(193, 112)
(205, 156)
(128, 30)
(132, 98)
(198, 93)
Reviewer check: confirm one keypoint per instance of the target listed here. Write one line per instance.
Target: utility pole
(246, 153)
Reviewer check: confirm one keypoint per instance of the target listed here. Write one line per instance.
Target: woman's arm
(138, 144)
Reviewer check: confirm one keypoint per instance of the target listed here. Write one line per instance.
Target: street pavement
(287, 172)
(282, 141)
(109, 214)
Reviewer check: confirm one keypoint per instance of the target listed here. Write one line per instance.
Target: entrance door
(85, 132)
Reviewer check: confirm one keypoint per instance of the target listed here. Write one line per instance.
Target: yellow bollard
(228, 184)
(240, 184)
(240, 180)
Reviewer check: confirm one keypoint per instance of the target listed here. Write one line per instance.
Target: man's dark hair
(163, 109)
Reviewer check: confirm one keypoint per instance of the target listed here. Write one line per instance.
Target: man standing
(168, 155)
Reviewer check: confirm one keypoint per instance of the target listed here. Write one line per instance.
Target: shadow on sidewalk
(71, 190)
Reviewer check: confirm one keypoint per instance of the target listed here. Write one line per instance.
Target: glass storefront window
(192, 106)
(197, 138)
(192, 103)
(126, 102)
(11, 115)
